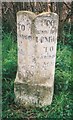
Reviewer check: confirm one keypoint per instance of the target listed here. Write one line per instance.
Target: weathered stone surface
(37, 41)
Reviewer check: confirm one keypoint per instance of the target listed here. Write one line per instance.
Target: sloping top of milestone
(34, 15)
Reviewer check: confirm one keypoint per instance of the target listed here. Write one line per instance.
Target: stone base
(37, 95)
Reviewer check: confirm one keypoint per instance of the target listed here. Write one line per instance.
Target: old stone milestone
(37, 42)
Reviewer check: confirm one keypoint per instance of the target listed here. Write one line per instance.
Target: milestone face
(37, 45)
(37, 41)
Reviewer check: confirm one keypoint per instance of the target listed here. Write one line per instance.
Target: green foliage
(67, 34)
(0, 59)
(63, 65)
(9, 56)
(9, 63)
(62, 105)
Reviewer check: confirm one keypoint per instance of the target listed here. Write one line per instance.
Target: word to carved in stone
(37, 41)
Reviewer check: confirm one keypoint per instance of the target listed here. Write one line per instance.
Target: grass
(62, 104)
(0, 78)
